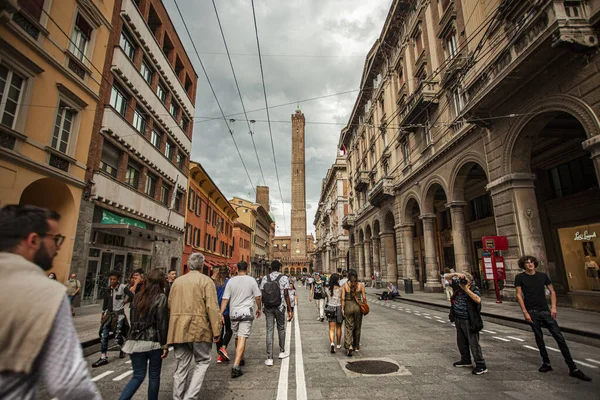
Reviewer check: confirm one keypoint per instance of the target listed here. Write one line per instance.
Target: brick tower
(298, 214)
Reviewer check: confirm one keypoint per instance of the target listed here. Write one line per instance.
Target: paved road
(419, 340)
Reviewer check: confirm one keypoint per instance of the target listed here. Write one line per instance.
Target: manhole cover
(372, 367)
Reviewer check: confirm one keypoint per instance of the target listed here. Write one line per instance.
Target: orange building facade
(209, 222)
(242, 235)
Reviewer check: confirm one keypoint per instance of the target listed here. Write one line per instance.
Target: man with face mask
(73, 288)
(37, 337)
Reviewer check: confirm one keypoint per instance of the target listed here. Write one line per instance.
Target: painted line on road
(592, 360)
(435, 316)
(499, 338)
(427, 317)
(515, 338)
(586, 364)
(128, 362)
(408, 312)
(299, 364)
(425, 314)
(282, 387)
(486, 331)
(102, 375)
(553, 349)
(530, 347)
(439, 320)
(124, 375)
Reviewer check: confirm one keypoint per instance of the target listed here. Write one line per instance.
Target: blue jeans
(544, 318)
(139, 361)
(106, 333)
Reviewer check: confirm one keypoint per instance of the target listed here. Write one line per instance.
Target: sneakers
(318, 318)
(339, 346)
(269, 362)
(236, 372)
(219, 359)
(545, 368)
(102, 361)
(579, 375)
(349, 352)
(121, 354)
(332, 348)
(223, 353)
(283, 355)
(463, 364)
(480, 371)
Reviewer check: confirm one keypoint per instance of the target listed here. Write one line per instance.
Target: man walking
(194, 325)
(113, 315)
(531, 287)
(73, 288)
(241, 293)
(276, 299)
(170, 279)
(37, 337)
(466, 315)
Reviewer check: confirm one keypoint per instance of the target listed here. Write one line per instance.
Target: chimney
(262, 197)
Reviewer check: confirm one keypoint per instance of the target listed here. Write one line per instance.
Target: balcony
(424, 95)
(547, 33)
(348, 221)
(361, 181)
(383, 190)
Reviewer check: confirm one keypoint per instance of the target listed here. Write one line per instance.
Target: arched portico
(433, 205)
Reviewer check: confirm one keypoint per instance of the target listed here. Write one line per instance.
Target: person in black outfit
(531, 286)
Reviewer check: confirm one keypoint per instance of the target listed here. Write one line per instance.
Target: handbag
(364, 308)
(330, 311)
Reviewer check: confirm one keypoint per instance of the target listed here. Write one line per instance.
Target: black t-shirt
(534, 290)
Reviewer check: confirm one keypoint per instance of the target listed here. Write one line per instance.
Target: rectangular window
(191, 200)
(82, 32)
(161, 92)
(164, 195)
(62, 128)
(132, 177)
(180, 160)
(405, 152)
(451, 45)
(33, 7)
(155, 139)
(118, 100)
(208, 213)
(177, 201)
(198, 206)
(458, 101)
(174, 109)
(11, 87)
(127, 44)
(147, 72)
(185, 123)
(188, 234)
(169, 150)
(139, 121)
(150, 188)
(573, 177)
(109, 161)
(481, 207)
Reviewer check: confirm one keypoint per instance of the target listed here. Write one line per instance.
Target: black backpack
(271, 294)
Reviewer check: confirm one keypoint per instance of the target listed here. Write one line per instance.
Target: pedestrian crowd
(193, 312)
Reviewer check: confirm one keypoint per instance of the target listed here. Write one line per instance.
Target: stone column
(361, 261)
(327, 258)
(368, 255)
(409, 253)
(376, 255)
(459, 235)
(390, 256)
(432, 284)
(352, 260)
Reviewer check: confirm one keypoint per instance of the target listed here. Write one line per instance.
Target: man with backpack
(275, 299)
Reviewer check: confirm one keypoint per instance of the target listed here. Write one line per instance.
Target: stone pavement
(419, 340)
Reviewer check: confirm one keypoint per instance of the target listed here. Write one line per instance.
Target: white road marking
(553, 349)
(408, 312)
(427, 317)
(586, 364)
(124, 375)
(425, 314)
(499, 338)
(102, 375)
(299, 365)
(282, 388)
(592, 360)
(128, 362)
(439, 320)
(530, 347)
(492, 332)
(515, 338)
(394, 306)
(435, 316)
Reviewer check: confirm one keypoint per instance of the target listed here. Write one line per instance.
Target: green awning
(109, 218)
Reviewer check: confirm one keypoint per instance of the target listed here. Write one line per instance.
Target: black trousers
(468, 342)
(544, 319)
(226, 332)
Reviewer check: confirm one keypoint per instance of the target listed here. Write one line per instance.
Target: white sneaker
(339, 346)
(269, 362)
(283, 355)
(318, 318)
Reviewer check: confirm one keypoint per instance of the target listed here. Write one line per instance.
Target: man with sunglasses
(37, 337)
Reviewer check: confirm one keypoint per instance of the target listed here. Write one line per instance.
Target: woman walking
(147, 339)
(334, 312)
(319, 294)
(353, 295)
(226, 333)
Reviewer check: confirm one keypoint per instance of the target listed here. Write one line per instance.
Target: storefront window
(580, 247)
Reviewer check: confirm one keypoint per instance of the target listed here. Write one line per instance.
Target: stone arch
(430, 192)
(376, 227)
(352, 239)
(389, 221)
(361, 236)
(459, 175)
(36, 194)
(410, 201)
(368, 232)
(535, 118)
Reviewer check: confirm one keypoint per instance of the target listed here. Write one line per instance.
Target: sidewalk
(87, 323)
(578, 322)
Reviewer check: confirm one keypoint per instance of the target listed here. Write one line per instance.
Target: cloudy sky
(310, 48)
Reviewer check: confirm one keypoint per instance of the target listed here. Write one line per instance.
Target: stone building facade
(133, 211)
(478, 119)
(331, 248)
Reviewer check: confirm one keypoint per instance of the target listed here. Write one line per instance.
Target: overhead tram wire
(262, 75)
(238, 91)
(215, 95)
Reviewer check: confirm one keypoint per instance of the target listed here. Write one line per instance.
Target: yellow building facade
(51, 55)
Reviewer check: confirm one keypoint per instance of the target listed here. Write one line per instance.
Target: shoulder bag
(364, 308)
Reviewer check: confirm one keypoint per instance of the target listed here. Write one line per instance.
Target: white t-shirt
(241, 291)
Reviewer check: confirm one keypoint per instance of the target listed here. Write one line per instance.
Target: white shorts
(241, 328)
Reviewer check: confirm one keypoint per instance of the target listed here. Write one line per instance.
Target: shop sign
(585, 236)
(109, 218)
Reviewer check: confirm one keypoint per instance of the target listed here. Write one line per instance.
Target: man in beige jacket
(195, 323)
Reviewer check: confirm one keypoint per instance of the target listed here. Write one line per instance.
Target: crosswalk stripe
(435, 316)
(123, 375)
(530, 347)
(102, 375)
(492, 332)
(586, 364)
(515, 338)
(592, 360)
(439, 320)
(499, 338)
(427, 317)
(553, 349)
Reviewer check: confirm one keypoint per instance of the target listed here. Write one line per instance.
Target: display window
(580, 247)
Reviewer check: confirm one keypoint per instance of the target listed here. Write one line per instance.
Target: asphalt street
(421, 342)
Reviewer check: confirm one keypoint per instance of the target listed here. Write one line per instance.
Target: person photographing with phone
(465, 312)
